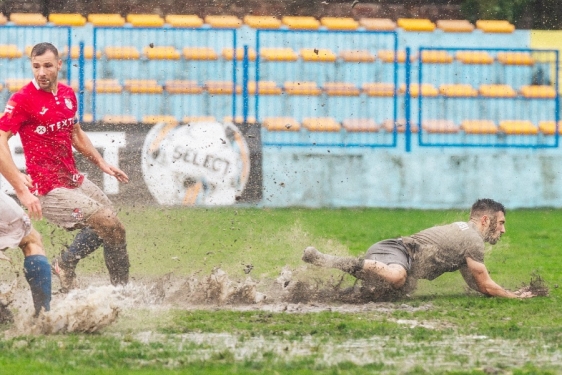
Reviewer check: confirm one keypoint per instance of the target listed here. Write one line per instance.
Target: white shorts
(71, 208)
(14, 223)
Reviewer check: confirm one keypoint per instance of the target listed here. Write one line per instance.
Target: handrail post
(408, 130)
(245, 99)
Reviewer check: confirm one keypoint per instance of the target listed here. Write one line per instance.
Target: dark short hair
(40, 48)
(485, 206)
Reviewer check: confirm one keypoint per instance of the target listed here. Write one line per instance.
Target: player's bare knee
(32, 244)
(106, 224)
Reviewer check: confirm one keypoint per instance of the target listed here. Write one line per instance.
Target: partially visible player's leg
(16, 231)
(37, 271)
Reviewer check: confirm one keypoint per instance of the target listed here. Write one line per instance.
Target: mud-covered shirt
(445, 248)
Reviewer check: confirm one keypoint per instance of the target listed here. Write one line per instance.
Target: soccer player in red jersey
(44, 114)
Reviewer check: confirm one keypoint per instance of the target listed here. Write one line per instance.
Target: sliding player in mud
(391, 268)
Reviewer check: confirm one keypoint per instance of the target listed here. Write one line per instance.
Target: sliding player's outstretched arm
(477, 277)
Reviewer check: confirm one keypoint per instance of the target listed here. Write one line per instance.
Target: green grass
(185, 241)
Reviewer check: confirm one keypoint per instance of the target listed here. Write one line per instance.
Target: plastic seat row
(306, 88)
(282, 54)
(482, 127)
(258, 22)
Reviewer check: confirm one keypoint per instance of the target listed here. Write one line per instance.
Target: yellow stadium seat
(388, 56)
(436, 57)
(427, 89)
(340, 89)
(388, 125)
(10, 51)
(378, 24)
(75, 52)
(67, 19)
(518, 127)
(262, 22)
(3, 19)
(87, 117)
(355, 125)
(199, 53)
(161, 53)
(479, 127)
(73, 84)
(143, 86)
(515, 58)
(440, 126)
(219, 87)
(28, 19)
(300, 23)
(122, 53)
(538, 91)
(14, 84)
(281, 124)
(474, 57)
(339, 23)
(319, 55)
(495, 26)
(416, 24)
(549, 127)
(264, 87)
(455, 26)
(497, 91)
(155, 119)
(223, 22)
(302, 88)
(458, 90)
(182, 87)
(239, 119)
(188, 119)
(356, 56)
(119, 119)
(278, 54)
(110, 19)
(184, 20)
(145, 20)
(104, 86)
(321, 124)
(378, 89)
(228, 54)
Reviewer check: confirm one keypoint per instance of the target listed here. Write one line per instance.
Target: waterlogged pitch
(224, 291)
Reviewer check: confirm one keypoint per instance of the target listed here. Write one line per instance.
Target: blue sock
(85, 242)
(38, 275)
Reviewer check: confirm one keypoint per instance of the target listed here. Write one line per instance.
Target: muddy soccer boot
(349, 265)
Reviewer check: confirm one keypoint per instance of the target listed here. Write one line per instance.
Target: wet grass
(468, 334)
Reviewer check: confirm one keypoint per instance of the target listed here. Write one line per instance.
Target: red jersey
(45, 122)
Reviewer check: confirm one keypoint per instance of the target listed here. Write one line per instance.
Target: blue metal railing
(358, 106)
(530, 69)
(215, 69)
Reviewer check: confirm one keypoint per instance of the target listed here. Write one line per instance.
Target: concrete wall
(426, 178)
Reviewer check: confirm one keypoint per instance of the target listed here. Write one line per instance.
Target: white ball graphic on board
(201, 163)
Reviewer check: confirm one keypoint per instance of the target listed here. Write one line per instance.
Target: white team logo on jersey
(9, 108)
(40, 130)
(43, 110)
(68, 103)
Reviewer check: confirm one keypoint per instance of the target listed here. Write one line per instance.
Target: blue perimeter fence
(373, 93)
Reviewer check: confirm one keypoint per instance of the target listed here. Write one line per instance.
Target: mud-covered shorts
(390, 251)
(71, 208)
(14, 223)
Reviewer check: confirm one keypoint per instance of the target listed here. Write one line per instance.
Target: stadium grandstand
(352, 79)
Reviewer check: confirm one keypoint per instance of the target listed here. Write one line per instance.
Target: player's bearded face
(495, 229)
(46, 70)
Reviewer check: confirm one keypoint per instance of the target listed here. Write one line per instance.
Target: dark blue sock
(85, 242)
(38, 275)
